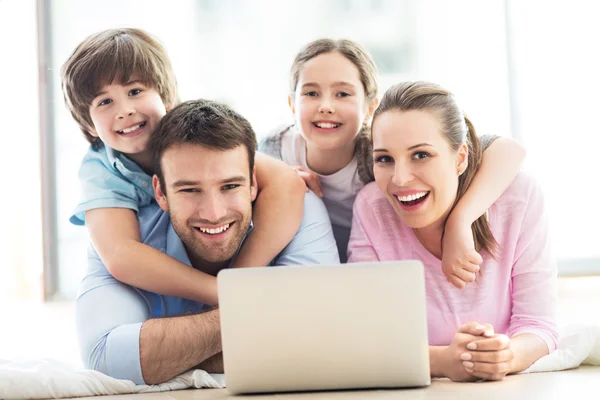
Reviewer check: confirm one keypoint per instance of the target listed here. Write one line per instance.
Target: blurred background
(522, 69)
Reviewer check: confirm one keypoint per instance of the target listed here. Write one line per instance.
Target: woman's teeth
(412, 197)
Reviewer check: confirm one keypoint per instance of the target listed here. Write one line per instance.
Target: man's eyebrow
(183, 182)
(234, 179)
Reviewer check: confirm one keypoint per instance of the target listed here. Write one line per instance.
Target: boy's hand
(489, 358)
(311, 179)
(460, 261)
(468, 333)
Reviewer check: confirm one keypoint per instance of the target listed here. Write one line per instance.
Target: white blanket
(52, 379)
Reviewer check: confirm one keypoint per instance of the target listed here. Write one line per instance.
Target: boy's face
(124, 116)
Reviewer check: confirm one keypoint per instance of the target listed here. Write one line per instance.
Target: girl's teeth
(327, 125)
(412, 197)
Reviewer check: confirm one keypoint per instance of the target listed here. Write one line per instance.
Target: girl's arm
(277, 212)
(114, 232)
(360, 246)
(500, 165)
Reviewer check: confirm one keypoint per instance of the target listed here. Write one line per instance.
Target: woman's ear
(462, 159)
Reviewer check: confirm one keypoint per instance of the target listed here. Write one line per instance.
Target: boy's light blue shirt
(110, 313)
(110, 180)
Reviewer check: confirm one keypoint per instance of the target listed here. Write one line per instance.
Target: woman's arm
(500, 165)
(114, 232)
(360, 247)
(277, 212)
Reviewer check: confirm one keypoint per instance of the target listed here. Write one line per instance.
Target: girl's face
(415, 167)
(329, 103)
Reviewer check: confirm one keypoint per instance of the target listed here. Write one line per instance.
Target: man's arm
(213, 365)
(170, 346)
(314, 242)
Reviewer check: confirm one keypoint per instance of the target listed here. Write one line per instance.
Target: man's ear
(462, 159)
(159, 195)
(254, 186)
(291, 104)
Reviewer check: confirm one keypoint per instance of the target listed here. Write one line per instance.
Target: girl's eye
(420, 155)
(343, 94)
(384, 159)
(311, 94)
(104, 102)
(134, 92)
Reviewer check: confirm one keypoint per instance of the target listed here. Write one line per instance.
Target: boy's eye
(134, 92)
(383, 160)
(231, 186)
(104, 102)
(421, 155)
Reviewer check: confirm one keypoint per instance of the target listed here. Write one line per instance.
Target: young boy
(118, 84)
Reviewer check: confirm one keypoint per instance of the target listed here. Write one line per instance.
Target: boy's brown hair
(114, 55)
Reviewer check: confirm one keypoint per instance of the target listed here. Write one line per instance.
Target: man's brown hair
(203, 122)
(114, 55)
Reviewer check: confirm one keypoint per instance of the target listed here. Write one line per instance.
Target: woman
(426, 153)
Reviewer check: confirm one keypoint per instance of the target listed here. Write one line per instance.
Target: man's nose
(214, 209)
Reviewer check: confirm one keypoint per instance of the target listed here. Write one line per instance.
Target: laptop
(308, 328)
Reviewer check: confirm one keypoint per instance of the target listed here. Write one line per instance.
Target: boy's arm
(500, 165)
(114, 232)
(277, 212)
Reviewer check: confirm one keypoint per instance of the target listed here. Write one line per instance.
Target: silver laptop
(305, 328)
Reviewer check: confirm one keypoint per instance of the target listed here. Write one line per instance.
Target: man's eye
(230, 186)
(189, 190)
(104, 102)
(384, 159)
(311, 94)
(421, 155)
(134, 92)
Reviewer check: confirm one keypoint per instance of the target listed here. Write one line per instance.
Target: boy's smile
(124, 117)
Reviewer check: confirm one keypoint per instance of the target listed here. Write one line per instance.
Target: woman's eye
(384, 159)
(420, 155)
(134, 92)
(311, 94)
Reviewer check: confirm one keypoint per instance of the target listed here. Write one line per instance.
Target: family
(173, 192)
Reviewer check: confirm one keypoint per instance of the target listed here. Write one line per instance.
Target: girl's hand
(311, 179)
(460, 261)
(489, 358)
(453, 362)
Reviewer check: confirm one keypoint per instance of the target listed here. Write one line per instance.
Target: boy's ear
(291, 104)
(159, 195)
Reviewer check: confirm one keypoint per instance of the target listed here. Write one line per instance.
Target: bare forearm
(436, 361)
(213, 365)
(144, 267)
(500, 165)
(170, 346)
(527, 349)
(277, 213)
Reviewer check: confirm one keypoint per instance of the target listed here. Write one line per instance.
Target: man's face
(209, 197)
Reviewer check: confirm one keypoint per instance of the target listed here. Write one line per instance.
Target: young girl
(333, 96)
(426, 155)
(118, 84)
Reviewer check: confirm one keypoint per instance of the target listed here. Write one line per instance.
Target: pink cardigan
(516, 292)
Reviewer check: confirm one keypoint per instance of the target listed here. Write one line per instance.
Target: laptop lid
(299, 328)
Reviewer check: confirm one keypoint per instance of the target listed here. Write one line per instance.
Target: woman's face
(415, 167)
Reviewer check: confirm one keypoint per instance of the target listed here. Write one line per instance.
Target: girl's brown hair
(363, 61)
(109, 56)
(456, 128)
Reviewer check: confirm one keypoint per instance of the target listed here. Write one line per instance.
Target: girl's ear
(373, 106)
(291, 104)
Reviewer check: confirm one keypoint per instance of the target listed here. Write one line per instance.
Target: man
(205, 183)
